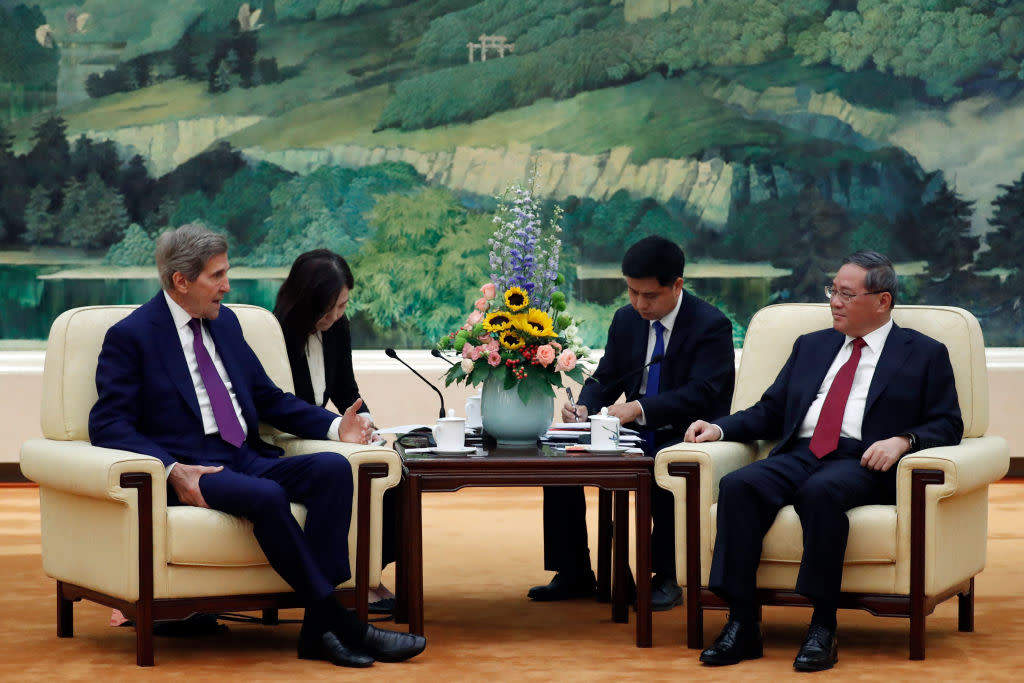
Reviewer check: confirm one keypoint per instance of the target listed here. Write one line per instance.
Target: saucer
(454, 451)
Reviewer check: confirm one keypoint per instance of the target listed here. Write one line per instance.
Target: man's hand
(881, 455)
(626, 412)
(701, 431)
(355, 428)
(569, 416)
(184, 479)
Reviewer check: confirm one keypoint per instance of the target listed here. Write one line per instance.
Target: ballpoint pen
(568, 392)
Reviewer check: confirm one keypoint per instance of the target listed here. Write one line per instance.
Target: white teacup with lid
(450, 432)
(604, 430)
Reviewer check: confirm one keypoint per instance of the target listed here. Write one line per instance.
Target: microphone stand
(391, 354)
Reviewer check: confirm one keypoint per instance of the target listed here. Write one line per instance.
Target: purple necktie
(830, 422)
(223, 411)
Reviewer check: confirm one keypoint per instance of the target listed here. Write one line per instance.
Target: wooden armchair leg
(270, 617)
(65, 614)
(966, 609)
(144, 633)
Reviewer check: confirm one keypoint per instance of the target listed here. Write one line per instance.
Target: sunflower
(497, 321)
(511, 340)
(516, 299)
(536, 323)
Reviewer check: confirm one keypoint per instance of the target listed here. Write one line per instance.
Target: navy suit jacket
(147, 402)
(697, 374)
(341, 387)
(912, 390)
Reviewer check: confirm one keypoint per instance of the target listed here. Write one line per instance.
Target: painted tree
(821, 227)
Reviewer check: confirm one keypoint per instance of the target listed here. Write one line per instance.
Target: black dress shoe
(391, 646)
(382, 606)
(665, 593)
(736, 642)
(820, 650)
(565, 587)
(325, 645)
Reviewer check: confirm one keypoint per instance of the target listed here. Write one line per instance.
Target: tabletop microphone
(657, 358)
(437, 354)
(391, 354)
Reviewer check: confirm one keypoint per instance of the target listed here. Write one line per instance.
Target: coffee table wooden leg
(620, 606)
(643, 560)
(414, 572)
(402, 555)
(604, 545)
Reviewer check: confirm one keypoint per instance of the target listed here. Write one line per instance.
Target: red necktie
(223, 410)
(830, 422)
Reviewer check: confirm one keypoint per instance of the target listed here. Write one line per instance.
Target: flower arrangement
(519, 331)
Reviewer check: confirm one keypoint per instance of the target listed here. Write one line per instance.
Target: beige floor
(482, 551)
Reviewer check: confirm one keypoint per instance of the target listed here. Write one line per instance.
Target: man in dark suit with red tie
(694, 377)
(177, 381)
(848, 404)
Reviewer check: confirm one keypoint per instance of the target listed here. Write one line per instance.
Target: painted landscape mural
(768, 137)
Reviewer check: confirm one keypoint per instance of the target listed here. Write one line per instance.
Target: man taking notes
(848, 404)
(694, 377)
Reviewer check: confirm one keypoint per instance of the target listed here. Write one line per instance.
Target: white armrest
(79, 468)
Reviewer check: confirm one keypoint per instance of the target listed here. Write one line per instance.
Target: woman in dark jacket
(311, 307)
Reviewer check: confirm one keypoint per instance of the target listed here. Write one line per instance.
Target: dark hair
(880, 277)
(655, 257)
(309, 291)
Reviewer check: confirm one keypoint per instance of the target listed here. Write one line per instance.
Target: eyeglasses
(831, 292)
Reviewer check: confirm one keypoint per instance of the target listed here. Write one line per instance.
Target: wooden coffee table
(491, 465)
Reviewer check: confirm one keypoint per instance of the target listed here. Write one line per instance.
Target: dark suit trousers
(565, 530)
(820, 490)
(312, 560)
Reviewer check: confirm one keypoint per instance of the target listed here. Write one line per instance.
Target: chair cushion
(872, 536)
(191, 532)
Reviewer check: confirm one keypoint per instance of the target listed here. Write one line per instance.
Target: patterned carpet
(482, 551)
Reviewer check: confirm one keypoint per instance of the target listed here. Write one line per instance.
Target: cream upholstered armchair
(901, 560)
(108, 534)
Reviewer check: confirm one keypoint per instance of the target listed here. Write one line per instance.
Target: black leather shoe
(382, 606)
(565, 587)
(391, 646)
(326, 646)
(820, 650)
(736, 642)
(665, 593)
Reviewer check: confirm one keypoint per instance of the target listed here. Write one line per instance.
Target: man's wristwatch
(912, 438)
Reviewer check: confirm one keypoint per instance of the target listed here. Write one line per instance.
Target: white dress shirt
(181, 319)
(853, 418)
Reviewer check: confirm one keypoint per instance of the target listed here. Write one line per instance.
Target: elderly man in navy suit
(177, 381)
(671, 354)
(848, 404)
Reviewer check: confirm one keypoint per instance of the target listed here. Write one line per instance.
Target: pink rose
(474, 318)
(481, 304)
(493, 345)
(466, 349)
(489, 291)
(545, 354)
(556, 346)
(566, 361)
(475, 352)
(494, 359)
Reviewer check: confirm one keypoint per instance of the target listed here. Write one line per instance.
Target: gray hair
(186, 250)
(880, 277)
